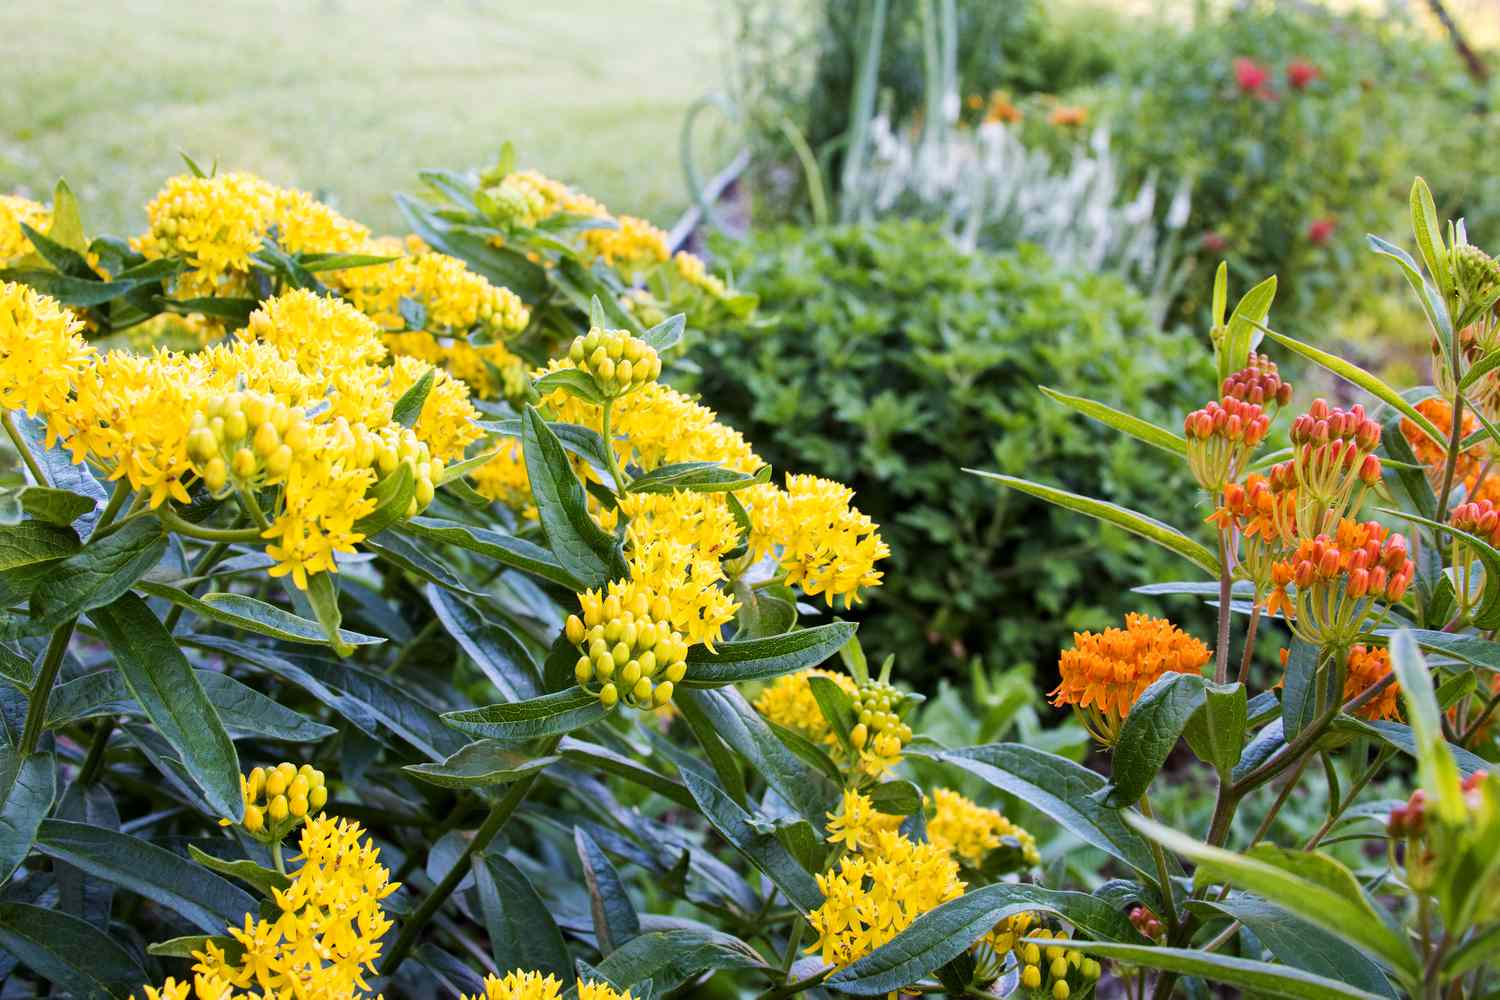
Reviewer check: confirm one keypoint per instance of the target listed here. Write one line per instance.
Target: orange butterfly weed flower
(1339, 579)
(1103, 674)
(1369, 666)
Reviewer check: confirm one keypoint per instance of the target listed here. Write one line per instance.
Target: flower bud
(574, 629)
(608, 696)
(318, 797)
(278, 809)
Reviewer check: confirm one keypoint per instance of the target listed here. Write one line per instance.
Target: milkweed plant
(379, 621)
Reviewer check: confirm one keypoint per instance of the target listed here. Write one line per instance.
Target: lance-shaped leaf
(1435, 764)
(97, 574)
(696, 477)
(1216, 732)
(669, 958)
(27, 788)
(1296, 942)
(479, 765)
(1142, 430)
(165, 685)
(522, 932)
(1313, 886)
(1150, 732)
(53, 506)
(942, 934)
(243, 612)
(1261, 978)
(264, 880)
(585, 550)
(74, 955)
(667, 334)
(615, 920)
(516, 553)
(1148, 528)
(758, 659)
(549, 715)
(586, 754)
(400, 550)
(1239, 334)
(500, 656)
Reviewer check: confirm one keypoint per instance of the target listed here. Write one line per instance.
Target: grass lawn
(349, 97)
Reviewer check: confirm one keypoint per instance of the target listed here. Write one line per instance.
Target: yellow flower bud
(1091, 969)
(583, 670)
(277, 782)
(266, 440)
(574, 629)
(278, 809)
(280, 462)
(235, 425)
(642, 691)
(257, 409)
(648, 663)
(1058, 968)
(621, 653)
(1060, 990)
(608, 696)
(1032, 955)
(858, 735)
(243, 463)
(298, 806)
(215, 475)
(425, 491)
(298, 788)
(1031, 977)
(255, 819)
(591, 615)
(202, 445)
(676, 672)
(604, 666)
(255, 784)
(630, 673)
(662, 694)
(318, 797)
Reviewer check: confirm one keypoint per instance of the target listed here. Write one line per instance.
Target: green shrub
(892, 360)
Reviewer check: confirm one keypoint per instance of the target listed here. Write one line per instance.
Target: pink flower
(1300, 73)
(1214, 242)
(1251, 77)
(1319, 230)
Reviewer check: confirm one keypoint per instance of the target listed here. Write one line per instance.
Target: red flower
(1319, 230)
(1300, 73)
(1251, 77)
(1214, 242)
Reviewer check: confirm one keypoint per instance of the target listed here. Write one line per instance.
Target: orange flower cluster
(1264, 511)
(1103, 674)
(1220, 438)
(1478, 517)
(1431, 454)
(1260, 383)
(1337, 578)
(1333, 463)
(1367, 667)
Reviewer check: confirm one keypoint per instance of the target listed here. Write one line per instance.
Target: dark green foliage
(890, 361)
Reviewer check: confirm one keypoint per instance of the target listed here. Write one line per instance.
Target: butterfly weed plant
(380, 621)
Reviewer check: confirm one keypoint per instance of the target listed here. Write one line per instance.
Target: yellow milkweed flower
(278, 798)
(544, 197)
(330, 925)
(522, 985)
(15, 210)
(319, 333)
(201, 988)
(633, 247)
(41, 351)
(1104, 674)
(972, 831)
(825, 544)
(447, 424)
(503, 478)
(455, 299)
(628, 650)
(214, 223)
(857, 822)
(305, 225)
(491, 371)
(874, 896)
(788, 701)
(694, 271)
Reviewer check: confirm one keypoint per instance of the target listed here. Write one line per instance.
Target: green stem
(422, 636)
(492, 825)
(173, 522)
(116, 501)
(1163, 874)
(26, 456)
(1226, 589)
(1455, 445)
(606, 414)
(89, 770)
(276, 857)
(792, 989)
(41, 692)
(1248, 654)
(1348, 799)
(247, 501)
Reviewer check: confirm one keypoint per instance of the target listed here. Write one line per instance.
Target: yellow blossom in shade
(824, 543)
(788, 701)
(503, 478)
(214, 223)
(317, 332)
(694, 271)
(454, 299)
(327, 935)
(41, 351)
(1104, 674)
(201, 988)
(857, 823)
(15, 210)
(522, 985)
(447, 423)
(873, 896)
(490, 371)
(972, 831)
(634, 246)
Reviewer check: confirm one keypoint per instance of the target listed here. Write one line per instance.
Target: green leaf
(1435, 764)
(1358, 376)
(394, 546)
(667, 334)
(942, 934)
(896, 798)
(356, 711)
(1429, 236)
(1249, 313)
(1221, 292)
(1310, 885)
(836, 705)
(99, 573)
(31, 543)
(522, 932)
(696, 477)
(1141, 430)
(54, 506)
(168, 691)
(583, 548)
(82, 961)
(1434, 304)
(27, 788)
(1299, 699)
(67, 220)
(393, 496)
(1216, 732)
(318, 262)
(549, 715)
(583, 442)
(64, 259)
(1150, 733)
(479, 765)
(263, 880)
(323, 595)
(198, 896)
(671, 957)
(1480, 369)
(186, 945)
(408, 409)
(758, 659)
(1058, 788)
(235, 312)
(574, 382)
(501, 656)
(1148, 528)
(508, 550)
(615, 920)
(81, 293)
(243, 612)
(755, 841)
(586, 754)
(1298, 943)
(1263, 978)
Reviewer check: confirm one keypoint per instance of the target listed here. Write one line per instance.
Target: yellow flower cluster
(633, 247)
(858, 823)
(299, 402)
(788, 701)
(826, 545)
(15, 210)
(972, 831)
(503, 478)
(543, 198)
(278, 798)
(521, 985)
(692, 269)
(626, 639)
(489, 370)
(215, 224)
(1053, 970)
(874, 896)
(325, 937)
(617, 362)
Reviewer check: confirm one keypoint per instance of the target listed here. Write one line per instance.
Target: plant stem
(1248, 654)
(92, 764)
(41, 692)
(1474, 727)
(1163, 874)
(247, 501)
(173, 522)
(1455, 445)
(1226, 584)
(493, 823)
(27, 458)
(1348, 799)
(423, 634)
(116, 501)
(606, 414)
(276, 857)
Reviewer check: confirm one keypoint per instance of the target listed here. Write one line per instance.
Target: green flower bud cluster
(1055, 971)
(1476, 276)
(618, 362)
(278, 798)
(629, 650)
(247, 436)
(877, 710)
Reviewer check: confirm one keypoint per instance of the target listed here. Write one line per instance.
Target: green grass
(349, 98)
